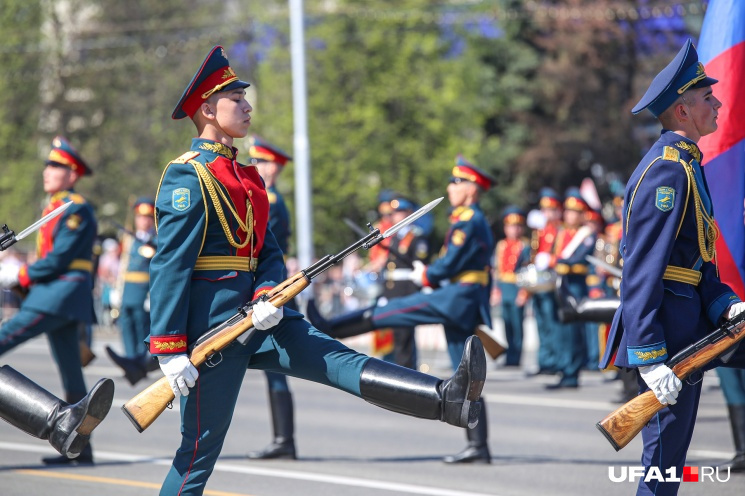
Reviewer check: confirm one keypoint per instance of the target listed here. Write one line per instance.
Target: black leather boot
(66, 426)
(344, 326)
(283, 445)
(586, 310)
(477, 450)
(407, 391)
(737, 420)
(135, 369)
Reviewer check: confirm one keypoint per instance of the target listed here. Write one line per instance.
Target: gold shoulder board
(186, 157)
(670, 153)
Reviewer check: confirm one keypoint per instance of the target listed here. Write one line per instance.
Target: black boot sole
(98, 406)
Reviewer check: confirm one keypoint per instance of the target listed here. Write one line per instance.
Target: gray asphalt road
(542, 443)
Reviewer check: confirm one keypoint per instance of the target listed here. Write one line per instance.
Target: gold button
(250, 192)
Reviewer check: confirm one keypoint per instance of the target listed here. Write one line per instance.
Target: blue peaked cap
(683, 73)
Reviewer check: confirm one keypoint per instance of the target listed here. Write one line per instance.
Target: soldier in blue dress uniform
(671, 295)
(216, 251)
(461, 282)
(60, 284)
(270, 162)
(512, 253)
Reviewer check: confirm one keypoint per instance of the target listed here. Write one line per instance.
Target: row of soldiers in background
(566, 232)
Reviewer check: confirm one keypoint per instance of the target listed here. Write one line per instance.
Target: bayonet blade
(36, 225)
(411, 218)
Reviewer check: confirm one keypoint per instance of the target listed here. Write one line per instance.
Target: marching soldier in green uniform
(270, 162)
(406, 246)
(215, 252)
(461, 282)
(134, 317)
(60, 284)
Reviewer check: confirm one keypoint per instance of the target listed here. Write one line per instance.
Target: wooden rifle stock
(143, 409)
(622, 425)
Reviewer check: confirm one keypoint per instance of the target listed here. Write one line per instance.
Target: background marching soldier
(573, 242)
(134, 312)
(461, 304)
(512, 253)
(544, 301)
(60, 284)
(270, 161)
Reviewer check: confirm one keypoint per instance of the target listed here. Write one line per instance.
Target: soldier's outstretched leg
(34, 410)
(737, 420)
(283, 424)
(135, 369)
(477, 449)
(402, 390)
(344, 326)
(585, 310)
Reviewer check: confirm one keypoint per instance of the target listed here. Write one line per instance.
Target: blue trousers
(544, 308)
(667, 436)
(294, 348)
(63, 341)
(134, 323)
(732, 382)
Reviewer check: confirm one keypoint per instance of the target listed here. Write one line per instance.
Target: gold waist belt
(472, 277)
(508, 277)
(136, 277)
(81, 264)
(680, 274)
(226, 263)
(564, 269)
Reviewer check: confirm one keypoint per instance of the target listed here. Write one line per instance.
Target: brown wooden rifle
(143, 409)
(621, 426)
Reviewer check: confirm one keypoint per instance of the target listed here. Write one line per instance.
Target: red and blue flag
(721, 49)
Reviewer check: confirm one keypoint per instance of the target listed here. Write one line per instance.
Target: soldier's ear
(207, 110)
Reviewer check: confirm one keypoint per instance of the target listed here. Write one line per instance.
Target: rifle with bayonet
(143, 409)
(621, 426)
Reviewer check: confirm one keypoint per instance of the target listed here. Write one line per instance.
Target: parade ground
(542, 442)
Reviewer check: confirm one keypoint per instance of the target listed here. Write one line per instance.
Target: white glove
(542, 260)
(265, 315)
(146, 303)
(180, 372)
(661, 379)
(115, 298)
(9, 275)
(417, 274)
(736, 310)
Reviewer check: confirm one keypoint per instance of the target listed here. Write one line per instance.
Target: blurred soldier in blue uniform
(671, 295)
(134, 317)
(512, 253)
(60, 285)
(461, 279)
(215, 252)
(408, 245)
(574, 241)
(270, 162)
(732, 382)
(544, 303)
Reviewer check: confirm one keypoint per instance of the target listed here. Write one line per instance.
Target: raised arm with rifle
(144, 408)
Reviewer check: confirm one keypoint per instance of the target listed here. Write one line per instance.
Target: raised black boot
(477, 450)
(586, 310)
(407, 391)
(135, 369)
(344, 326)
(737, 420)
(67, 427)
(283, 445)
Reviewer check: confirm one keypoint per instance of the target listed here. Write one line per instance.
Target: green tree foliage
(390, 105)
(20, 22)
